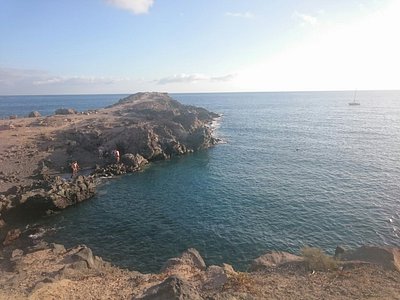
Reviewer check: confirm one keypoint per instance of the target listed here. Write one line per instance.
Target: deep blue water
(46, 105)
(296, 169)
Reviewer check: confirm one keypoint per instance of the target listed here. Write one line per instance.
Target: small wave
(42, 231)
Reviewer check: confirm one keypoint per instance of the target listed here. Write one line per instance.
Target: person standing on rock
(75, 168)
(116, 156)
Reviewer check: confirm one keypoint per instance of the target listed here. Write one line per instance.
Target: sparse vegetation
(240, 282)
(317, 260)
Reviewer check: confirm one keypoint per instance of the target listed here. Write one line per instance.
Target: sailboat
(354, 99)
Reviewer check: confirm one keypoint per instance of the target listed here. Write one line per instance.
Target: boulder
(273, 259)
(34, 114)
(11, 236)
(81, 258)
(389, 258)
(195, 258)
(39, 245)
(133, 160)
(57, 248)
(5, 203)
(65, 111)
(339, 251)
(215, 278)
(85, 254)
(190, 257)
(2, 223)
(172, 288)
(229, 271)
(17, 253)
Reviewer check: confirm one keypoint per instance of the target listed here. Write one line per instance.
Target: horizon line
(219, 92)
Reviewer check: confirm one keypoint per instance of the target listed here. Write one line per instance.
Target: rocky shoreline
(145, 127)
(37, 150)
(50, 271)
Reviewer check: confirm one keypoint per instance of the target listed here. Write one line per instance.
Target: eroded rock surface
(76, 273)
(386, 257)
(274, 259)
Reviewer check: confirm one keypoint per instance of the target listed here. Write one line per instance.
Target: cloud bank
(135, 6)
(194, 78)
(17, 81)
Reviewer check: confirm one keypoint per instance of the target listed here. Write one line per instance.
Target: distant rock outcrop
(34, 114)
(65, 111)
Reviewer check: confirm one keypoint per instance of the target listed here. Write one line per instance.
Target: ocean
(295, 169)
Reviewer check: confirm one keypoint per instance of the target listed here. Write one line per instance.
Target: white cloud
(27, 81)
(194, 78)
(135, 6)
(305, 19)
(76, 80)
(245, 15)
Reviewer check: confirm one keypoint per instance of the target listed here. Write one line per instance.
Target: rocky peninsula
(35, 154)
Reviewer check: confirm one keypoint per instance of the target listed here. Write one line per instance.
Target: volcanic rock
(215, 278)
(11, 236)
(172, 288)
(389, 258)
(132, 160)
(34, 114)
(190, 258)
(65, 111)
(273, 259)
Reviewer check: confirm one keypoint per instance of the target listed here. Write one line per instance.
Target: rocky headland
(35, 154)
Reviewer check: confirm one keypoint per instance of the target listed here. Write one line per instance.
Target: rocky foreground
(35, 151)
(53, 272)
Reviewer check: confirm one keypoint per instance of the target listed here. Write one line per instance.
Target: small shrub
(317, 260)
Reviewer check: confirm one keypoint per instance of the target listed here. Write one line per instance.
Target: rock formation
(386, 257)
(34, 114)
(274, 259)
(54, 272)
(143, 127)
(65, 111)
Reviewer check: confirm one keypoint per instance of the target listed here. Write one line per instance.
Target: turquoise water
(295, 169)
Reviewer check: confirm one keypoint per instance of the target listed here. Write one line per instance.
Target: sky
(126, 46)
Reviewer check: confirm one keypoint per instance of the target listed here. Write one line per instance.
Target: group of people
(114, 153)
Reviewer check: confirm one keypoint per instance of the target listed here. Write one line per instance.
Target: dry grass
(316, 260)
(240, 282)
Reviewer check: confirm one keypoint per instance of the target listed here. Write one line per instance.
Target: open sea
(295, 169)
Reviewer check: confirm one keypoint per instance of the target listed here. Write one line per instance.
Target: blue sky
(125, 46)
